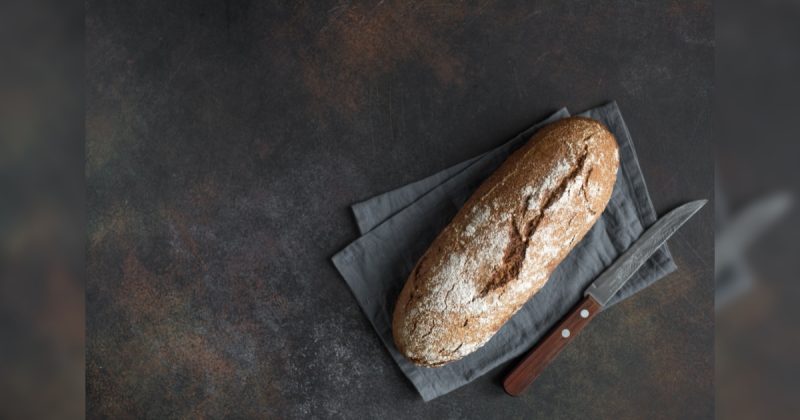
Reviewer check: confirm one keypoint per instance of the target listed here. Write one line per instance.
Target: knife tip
(698, 204)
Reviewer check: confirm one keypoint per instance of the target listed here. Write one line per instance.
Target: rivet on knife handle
(548, 348)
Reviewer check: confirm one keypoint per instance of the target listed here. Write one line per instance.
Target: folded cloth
(398, 226)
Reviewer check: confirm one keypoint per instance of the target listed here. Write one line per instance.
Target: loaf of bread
(506, 240)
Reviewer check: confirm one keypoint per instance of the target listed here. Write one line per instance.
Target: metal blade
(615, 276)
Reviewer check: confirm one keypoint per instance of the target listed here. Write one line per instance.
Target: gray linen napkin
(398, 226)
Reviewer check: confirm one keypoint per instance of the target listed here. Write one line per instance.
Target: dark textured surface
(225, 141)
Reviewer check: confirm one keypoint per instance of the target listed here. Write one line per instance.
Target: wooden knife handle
(548, 348)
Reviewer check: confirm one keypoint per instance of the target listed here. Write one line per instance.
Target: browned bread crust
(506, 240)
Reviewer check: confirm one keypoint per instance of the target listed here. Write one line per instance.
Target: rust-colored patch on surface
(139, 296)
(163, 329)
(359, 43)
(165, 322)
(682, 8)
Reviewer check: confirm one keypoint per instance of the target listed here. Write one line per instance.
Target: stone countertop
(226, 140)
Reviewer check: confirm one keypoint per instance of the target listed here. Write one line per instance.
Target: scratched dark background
(225, 141)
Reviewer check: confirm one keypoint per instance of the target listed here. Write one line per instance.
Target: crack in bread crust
(518, 244)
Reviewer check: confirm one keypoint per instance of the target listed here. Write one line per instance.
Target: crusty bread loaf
(506, 240)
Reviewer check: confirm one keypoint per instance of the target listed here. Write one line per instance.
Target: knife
(597, 296)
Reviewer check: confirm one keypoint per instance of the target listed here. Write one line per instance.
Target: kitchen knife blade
(608, 284)
(597, 296)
